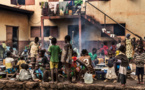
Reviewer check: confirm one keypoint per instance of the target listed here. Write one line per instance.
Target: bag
(100, 75)
(88, 78)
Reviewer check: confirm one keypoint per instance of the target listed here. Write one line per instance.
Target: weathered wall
(14, 19)
(130, 12)
(35, 20)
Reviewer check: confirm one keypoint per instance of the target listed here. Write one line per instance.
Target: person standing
(34, 48)
(123, 66)
(139, 57)
(129, 47)
(54, 52)
(66, 57)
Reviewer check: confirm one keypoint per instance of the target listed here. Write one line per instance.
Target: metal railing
(112, 19)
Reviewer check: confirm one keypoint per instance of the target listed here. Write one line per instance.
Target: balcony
(65, 9)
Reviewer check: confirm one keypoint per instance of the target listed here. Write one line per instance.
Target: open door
(12, 36)
(9, 36)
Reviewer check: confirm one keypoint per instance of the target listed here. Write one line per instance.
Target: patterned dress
(129, 48)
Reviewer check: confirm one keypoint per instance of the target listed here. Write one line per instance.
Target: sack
(88, 78)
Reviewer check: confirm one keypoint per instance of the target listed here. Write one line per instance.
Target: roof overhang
(15, 9)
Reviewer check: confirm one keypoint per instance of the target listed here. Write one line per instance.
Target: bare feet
(67, 82)
(51, 82)
(114, 81)
(105, 80)
(123, 85)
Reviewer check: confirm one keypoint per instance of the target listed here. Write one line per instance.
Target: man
(66, 57)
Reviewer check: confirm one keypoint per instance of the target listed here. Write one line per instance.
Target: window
(115, 29)
(118, 30)
(51, 31)
(46, 31)
(23, 2)
(54, 31)
(35, 31)
(14, 2)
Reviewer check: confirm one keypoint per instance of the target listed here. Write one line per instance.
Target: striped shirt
(139, 59)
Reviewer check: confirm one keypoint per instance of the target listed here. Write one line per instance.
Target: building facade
(129, 13)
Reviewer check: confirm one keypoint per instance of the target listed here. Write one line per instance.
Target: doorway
(12, 36)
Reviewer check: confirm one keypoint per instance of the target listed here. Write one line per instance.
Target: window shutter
(35, 32)
(14, 2)
(54, 31)
(29, 2)
(9, 35)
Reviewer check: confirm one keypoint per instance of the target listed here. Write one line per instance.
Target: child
(66, 57)
(20, 62)
(46, 74)
(24, 74)
(139, 60)
(85, 61)
(38, 72)
(34, 48)
(9, 63)
(74, 68)
(43, 59)
(123, 66)
(111, 70)
(54, 51)
(93, 56)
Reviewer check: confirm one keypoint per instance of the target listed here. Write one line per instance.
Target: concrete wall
(35, 20)
(14, 19)
(130, 12)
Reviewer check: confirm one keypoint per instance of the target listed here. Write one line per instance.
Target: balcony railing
(61, 8)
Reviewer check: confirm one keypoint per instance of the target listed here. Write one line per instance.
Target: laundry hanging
(53, 6)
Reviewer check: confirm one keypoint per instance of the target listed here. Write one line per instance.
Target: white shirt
(8, 62)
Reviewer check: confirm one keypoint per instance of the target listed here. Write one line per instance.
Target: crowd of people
(56, 64)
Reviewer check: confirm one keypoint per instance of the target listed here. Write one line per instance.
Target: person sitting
(20, 62)
(38, 73)
(86, 64)
(9, 63)
(24, 74)
(43, 59)
(93, 56)
(46, 74)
